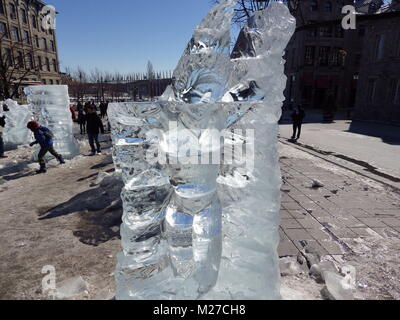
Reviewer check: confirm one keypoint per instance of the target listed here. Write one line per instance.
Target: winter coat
(93, 124)
(81, 118)
(2, 123)
(298, 117)
(43, 137)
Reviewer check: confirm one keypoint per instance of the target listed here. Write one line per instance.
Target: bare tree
(150, 71)
(16, 64)
(78, 82)
(245, 8)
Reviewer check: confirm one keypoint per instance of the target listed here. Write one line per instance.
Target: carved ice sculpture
(50, 105)
(194, 193)
(15, 132)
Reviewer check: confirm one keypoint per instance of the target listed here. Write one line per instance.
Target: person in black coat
(2, 125)
(94, 126)
(298, 116)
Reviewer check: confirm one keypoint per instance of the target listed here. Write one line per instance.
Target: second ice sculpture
(15, 133)
(191, 227)
(50, 105)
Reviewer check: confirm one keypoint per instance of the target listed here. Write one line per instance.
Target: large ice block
(50, 105)
(15, 131)
(201, 171)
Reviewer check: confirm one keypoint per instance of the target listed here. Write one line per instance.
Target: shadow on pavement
(100, 213)
(388, 133)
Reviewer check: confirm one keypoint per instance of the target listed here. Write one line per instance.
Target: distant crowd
(86, 115)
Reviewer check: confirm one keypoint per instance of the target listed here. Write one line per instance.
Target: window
(312, 32)
(58, 81)
(307, 93)
(310, 55)
(3, 30)
(34, 22)
(13, 11)
(371, 89)
(48, 64)
(323, 56)
(39, 63)
(24, 16)
(44, 41)
(15, 34)
(293, 57)
(338, 57)
(27, 38)
(314, 5)
(325, 32)
(29, 61)
(55, 67)
(379, 47)
(357, 59)
(9, 57)
(328, 6)
(397, 93)
(53, 48)
(339, 32)
(37, 41)
(1, 7)
(51, 81)
(361, 31)
(20, 59)
(394, 91)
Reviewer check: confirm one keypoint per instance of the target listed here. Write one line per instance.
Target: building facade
(319, 61)
(359, 68)
(26, 44)
(378, 97)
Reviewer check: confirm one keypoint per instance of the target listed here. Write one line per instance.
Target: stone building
(23, 39)
(319, 61)
(378, 97)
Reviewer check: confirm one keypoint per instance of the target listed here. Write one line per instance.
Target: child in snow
(44, 138)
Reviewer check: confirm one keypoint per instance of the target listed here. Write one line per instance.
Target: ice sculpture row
(181, 238)
(15, 132)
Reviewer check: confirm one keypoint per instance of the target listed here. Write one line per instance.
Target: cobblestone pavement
(335, 217)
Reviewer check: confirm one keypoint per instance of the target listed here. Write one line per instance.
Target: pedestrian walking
(103, 110)
(82, 120)
(43, 137)
(298, 116)
(2, 126)
(94, 127)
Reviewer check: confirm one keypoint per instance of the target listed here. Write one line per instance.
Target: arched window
(328, 6)
(314, 5)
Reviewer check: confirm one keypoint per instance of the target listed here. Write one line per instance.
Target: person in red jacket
(72, 109)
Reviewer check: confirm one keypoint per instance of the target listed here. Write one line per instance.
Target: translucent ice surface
(15, 131)
(50, 105)
(201, 171)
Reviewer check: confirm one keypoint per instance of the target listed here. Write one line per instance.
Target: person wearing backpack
(43, 137)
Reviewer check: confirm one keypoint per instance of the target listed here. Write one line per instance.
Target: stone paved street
(329, 217)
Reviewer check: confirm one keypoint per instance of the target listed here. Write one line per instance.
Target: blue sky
(122, 35)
